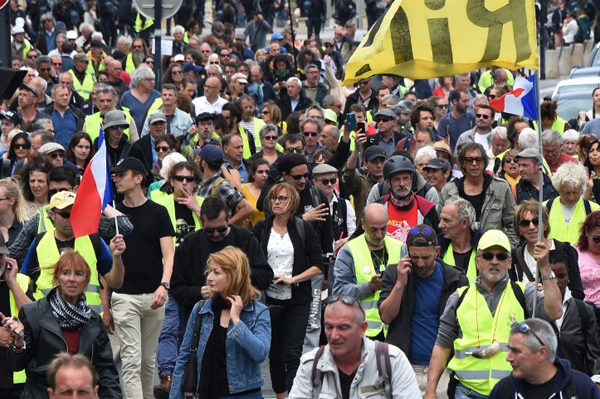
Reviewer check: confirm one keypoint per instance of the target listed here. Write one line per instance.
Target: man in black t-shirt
(537, 372)
(138, 306)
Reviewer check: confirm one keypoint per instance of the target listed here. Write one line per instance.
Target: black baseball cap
(374, 152)
(204, 116)
(12, 116)
(129, 163)
(438, 163)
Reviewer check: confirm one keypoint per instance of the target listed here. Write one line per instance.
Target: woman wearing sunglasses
(18, 150)
(271, 113)
(293, 251)
(524, 266)
(165, 144)
(268, 140)
(509, 169)
(11, 209)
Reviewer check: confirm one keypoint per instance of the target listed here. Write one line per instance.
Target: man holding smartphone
(413, 297)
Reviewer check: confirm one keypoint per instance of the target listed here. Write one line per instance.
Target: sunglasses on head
(491, 255)
(212, 230)
(298, 177)
(188, 179)
(525, 329)
(527, 222)
(327, 182)
(345, 299)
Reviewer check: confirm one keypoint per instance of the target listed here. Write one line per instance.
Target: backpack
(384, 367)
(586, 206)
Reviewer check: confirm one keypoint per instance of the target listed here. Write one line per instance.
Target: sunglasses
(525, 329)
(57, 155)
(176, 73)
(162, 148)
(313, 134)
(44, 69)
(441, 106)
(57, 63)
(345, 299)
(212, 230)
(327, 182)
(297, 150)
(22, 146)
(272, 138)
(189, 179)
(63, 214)
(498, 255)
(474, 159)
(510, 160)
(484, 116)
(527, 222)
(492, 96)
(298, 177)
(383, 120)
(279, 198)
(265, 112)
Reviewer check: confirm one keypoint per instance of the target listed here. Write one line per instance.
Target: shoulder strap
(384, 189)
(384, 366)
(462, 297)
(197, 322)
(315, 375)
(549, 204)
(587, 206)
(300, 227)
(520, 296)
(523, 264)
(581, 310)
(215, 188)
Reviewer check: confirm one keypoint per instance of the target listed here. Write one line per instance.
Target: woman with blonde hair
(271, 113)
(160, 188)
(233, 333)
(12, 215)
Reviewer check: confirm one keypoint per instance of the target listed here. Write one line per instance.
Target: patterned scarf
(69, 317)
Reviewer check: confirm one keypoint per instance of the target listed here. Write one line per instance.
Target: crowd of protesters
(251, 189)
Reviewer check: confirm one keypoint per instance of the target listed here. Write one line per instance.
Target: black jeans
(12, 393)
(288, 326)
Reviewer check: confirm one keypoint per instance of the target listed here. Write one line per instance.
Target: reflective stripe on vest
(562, 231)
(129, 64)
(168, 202)
(47, 253)
(19, 377)
(93, 122)
(84, 89)
(481, 375)
(247, 153)
(45, 223)
(364, 270)
(471, 268)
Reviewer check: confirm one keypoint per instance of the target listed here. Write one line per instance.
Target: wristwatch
(19, 350)
(548, 276)
(166, 285)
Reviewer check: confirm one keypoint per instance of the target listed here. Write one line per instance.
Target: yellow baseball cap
(493, 238)
(62, 200)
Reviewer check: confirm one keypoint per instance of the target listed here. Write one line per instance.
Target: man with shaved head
(361, 262)
(114, 69)
(211, 101)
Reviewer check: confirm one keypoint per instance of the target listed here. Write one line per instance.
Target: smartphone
(351, 121)
(360, 126)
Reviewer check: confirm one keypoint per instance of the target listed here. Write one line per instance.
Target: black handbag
(189, 380)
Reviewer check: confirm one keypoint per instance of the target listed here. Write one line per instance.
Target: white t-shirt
(280, 256)
(567, 212)
(201, 104)
(531, 263)
(483, 140)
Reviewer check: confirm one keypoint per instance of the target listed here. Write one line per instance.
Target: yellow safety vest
(471, 268)
(93, 122)
(84, 89)
(19, 377)
(247, 153)
(47, 253)
(45, 224)
(90, 68)
(129, 64)
(364, 269)
(258, 124)
(562, 231)
(155, 106)
(25, 49)
(139, 26)
(480, 329)
(169, 202)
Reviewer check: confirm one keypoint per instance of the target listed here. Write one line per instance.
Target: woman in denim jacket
(235, 332)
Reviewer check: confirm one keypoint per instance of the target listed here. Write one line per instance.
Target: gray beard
(138, 57)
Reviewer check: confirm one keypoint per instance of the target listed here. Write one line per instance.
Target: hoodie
(585, 388)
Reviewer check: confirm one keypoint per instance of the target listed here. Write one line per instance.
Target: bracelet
(18, 351)
(294, 282)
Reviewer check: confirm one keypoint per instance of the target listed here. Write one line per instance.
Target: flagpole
(541, 190)
(116, 221)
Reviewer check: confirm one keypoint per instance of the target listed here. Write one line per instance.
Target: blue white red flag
(521, 100)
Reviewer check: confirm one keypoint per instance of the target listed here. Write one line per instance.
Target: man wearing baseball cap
(83, 82)
(45, 251)
(412, 299)
(138, 306)
(477, 320)
(27, 100)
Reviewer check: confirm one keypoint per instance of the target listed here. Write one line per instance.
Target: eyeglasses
(383, 120)
(312, 134)
(364, 82)
(279, 198)
(510, 160)
(32, 56)
(271, 138)
(56, 190)
(327, 182)
(298, 177)
(212, 230)
(346, 300)
(525, 329)
(491, 255)
(297, 150)
(160, 148)
(441, 105)
(527, 222)
(474, 159)
(484, 116)
(176, 73)
(55, 155)
(25, 146)
(188, 179)
(265, 112)
(63, 214)
(138, 46)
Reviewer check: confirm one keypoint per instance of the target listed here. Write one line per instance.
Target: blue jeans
(462, 392)
(255, 395)
(170, 337)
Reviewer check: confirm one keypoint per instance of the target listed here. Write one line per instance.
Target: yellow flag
(422, 39)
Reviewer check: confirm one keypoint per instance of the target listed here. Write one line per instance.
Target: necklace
(379, 261)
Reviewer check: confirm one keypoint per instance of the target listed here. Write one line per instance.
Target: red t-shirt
(400, 222)
(72, 339)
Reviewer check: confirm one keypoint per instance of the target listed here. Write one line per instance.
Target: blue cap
(276, 36)
(211, 153)
(190, 66)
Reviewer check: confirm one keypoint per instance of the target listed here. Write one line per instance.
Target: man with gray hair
(499, 145)
(529, 185)
(66, 120)
(293, 100)
(551, 142)
(460, 231)
(536, 370)
(142, 98)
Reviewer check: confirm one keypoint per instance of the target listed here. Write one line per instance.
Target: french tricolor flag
(93, 194)
(521, 100)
